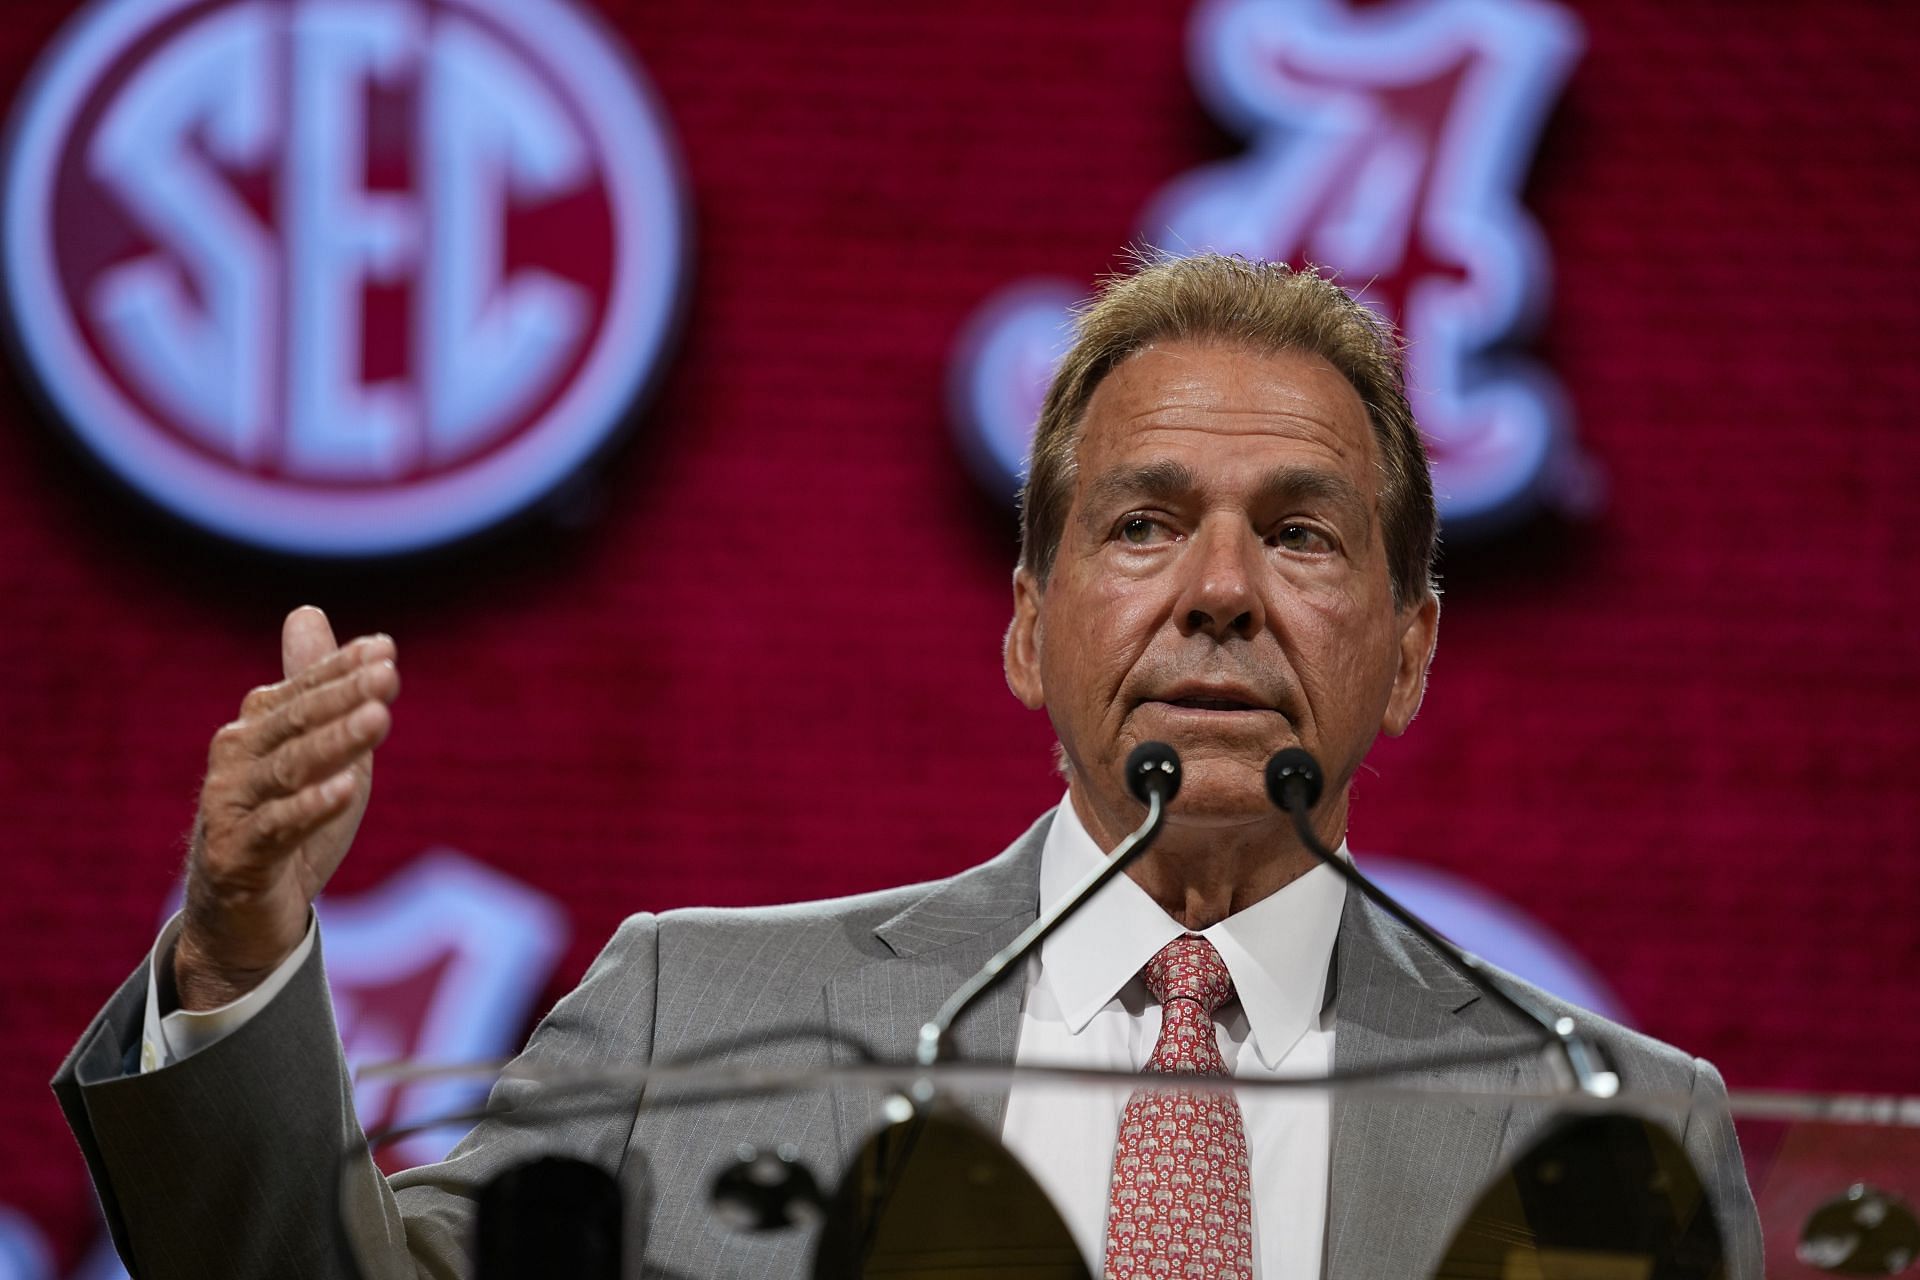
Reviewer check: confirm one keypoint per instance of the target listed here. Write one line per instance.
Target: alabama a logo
(340, 278)
(439, 965)
(1388, 144)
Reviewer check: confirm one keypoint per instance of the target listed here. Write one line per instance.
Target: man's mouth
(1218, 698)
(1213, 704)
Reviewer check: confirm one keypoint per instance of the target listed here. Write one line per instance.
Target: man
(1228, 533)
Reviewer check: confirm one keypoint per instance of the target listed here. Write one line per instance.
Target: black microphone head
(1151, 767)
(1293, 777)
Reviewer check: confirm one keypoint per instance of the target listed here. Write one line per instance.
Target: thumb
(305, 638)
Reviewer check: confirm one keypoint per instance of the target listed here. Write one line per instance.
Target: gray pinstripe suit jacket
(223, 1165)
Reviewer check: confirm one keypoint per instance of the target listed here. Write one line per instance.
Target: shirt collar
(1278, 950)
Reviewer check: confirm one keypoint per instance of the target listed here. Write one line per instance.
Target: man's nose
(1220, 596)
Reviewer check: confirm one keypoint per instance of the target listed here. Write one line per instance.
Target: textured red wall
(757, 658)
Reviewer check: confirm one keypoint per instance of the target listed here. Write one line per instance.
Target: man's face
(1221, 585)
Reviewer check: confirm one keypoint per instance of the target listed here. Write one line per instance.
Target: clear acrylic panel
(1604, 1189)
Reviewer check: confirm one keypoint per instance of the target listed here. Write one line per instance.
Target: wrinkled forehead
(1186, 415)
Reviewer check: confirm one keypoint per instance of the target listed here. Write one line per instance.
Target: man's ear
(1419, 632)
(1021, 653)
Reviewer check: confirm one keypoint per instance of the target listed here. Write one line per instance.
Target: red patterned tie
(1181, 1204)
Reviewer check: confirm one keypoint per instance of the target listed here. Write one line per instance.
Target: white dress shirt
(1087, 1006)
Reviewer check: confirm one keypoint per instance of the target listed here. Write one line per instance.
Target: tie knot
(1188, 968)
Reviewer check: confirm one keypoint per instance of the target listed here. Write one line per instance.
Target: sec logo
(341, 278)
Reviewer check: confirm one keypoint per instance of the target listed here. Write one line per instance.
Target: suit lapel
(1404, 1174)
(933, 946)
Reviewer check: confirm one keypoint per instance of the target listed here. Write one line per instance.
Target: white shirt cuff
(185, 1032)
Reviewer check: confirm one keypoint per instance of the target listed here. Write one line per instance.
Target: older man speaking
(1227, 544)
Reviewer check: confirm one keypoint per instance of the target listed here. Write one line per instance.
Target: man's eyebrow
(1166, 480)
(1289, 486)
(1160, 481)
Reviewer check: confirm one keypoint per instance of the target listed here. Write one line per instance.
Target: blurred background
(733, 311)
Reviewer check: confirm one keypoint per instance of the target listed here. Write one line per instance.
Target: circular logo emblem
(341, 277)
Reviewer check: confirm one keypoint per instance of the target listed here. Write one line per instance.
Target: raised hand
(286, 785)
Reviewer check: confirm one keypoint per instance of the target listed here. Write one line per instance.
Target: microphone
(1294, 784)
(548, 1216)
(1153, 776)
(926, 1171)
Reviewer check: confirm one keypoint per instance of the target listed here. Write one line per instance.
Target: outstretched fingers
(312, 756)
(366, 651)
(321, 705)
(287, 822)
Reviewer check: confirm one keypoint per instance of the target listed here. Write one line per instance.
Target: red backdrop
(757, 656)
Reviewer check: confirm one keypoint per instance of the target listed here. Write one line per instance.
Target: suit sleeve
(1715, 1149)
(230, 1163)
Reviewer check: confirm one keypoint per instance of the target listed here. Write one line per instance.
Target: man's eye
(1139, 531)
(1299, 537)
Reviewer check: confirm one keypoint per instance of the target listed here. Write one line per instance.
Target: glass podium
(897, 1171)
